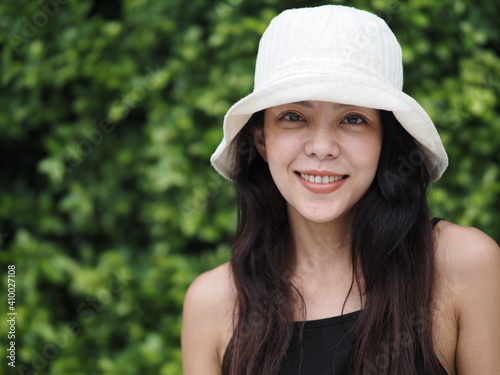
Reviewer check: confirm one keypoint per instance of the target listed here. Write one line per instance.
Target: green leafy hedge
(109, 112)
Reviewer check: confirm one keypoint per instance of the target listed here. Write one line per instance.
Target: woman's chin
(321, 215)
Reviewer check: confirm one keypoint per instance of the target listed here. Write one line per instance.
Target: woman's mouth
(315, 179)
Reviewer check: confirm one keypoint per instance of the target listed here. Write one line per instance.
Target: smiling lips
(320, 179)
(321, 183)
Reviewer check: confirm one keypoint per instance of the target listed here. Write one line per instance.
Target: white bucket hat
(336, 54)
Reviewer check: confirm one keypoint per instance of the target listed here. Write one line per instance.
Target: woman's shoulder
(465, 249)
(212, 293)
(212, 287)
(467, 299)
(207, 319)
(467, 256)
(467, 266)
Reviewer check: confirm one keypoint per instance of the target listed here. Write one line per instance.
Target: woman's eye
(354, 119)
(291, 116)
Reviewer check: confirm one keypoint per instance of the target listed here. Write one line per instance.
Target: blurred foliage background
(109, 112)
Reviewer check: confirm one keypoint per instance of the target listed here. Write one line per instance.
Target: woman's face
(322, 156)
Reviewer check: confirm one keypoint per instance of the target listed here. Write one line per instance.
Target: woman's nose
(322, 142)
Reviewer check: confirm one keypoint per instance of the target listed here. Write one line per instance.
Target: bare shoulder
(207, 315)
(466, 250)
(468, 282)
(466, 259)
(212, 287)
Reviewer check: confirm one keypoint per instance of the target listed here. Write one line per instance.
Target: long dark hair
(393, 264)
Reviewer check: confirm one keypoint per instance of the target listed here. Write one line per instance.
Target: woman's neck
(321, 249)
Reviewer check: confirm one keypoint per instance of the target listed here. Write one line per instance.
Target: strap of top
(435, 220)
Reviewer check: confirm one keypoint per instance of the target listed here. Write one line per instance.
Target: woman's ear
(259, 140)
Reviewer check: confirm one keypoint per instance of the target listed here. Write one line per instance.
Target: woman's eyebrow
(304, 104)
(340, 105)
(308, 104)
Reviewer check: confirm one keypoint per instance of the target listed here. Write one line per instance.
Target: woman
(337, 265)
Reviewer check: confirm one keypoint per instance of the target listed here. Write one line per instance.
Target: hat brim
(341, 88)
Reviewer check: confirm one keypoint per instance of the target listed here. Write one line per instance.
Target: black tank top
(325, 347)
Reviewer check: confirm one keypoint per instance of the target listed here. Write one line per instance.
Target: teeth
(320, 179)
